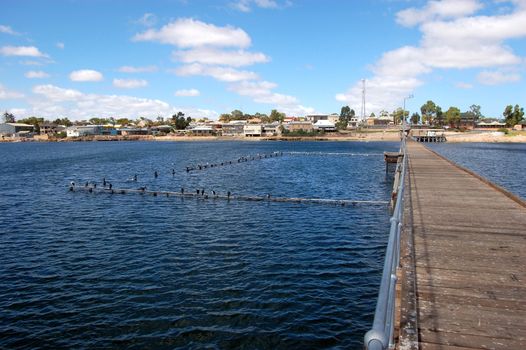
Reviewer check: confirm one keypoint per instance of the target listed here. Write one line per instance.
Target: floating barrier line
(334, 154)
(340, 202)
(239, 160)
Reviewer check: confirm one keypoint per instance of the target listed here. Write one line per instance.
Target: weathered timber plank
(432, 346)
(474, 263)
(444, 339)
(448, 227)
(475, 298)
(446, 277)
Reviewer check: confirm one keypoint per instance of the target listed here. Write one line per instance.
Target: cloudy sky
(80, 58)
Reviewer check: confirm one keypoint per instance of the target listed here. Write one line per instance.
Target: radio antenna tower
(363, 100)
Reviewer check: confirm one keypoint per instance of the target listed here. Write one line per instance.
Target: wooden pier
(463, 276)
(428, 135)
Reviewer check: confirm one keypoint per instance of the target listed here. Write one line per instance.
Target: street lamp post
(403, 112)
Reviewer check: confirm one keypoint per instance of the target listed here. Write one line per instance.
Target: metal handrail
(381, 335)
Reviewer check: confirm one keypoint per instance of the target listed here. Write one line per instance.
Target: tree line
(432, 114)
(236, 114)
(178, 121)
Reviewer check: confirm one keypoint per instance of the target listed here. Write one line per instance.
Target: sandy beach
(475, 136)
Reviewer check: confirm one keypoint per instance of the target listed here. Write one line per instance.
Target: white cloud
(52, 101)
(30, 51)
(449, 41)
(31, 63)
(147, 20)
(217, 52)
(463, 85)
(85, 75)
(7, 30)
(60, 45)
(187, 32)
(245, 5)
(437, 10)
(17, 111)
(187, 92)
(6, 94)
(129, 83)
(497, 77)
(56, 94)
(261, 92)
(235, 58)
(32, 74)
(220, 73)
(132, 69)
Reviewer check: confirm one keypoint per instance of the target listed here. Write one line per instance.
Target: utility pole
(403, 112)
(363, 100)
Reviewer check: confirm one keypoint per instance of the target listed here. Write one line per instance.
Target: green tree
(237, 114)
(399, 115)
(225, 117)
(98, 121)
(513, 115)
(415, 118)
(9, 118)
(33, 121)
(475, 110)
(276, 116)
(345, 116)
(439, 119)
(123, 121)
(179, 121)
(63, 121)
(429, 112)
(453, 116)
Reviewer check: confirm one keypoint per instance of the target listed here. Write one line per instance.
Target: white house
(252, 130)
(83, 130)
(325, 125)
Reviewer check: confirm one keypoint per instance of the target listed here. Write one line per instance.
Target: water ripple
(85, 271)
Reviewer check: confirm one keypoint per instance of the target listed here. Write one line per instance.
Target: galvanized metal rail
(381, 335)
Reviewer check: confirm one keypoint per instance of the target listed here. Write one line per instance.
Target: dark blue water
(82, 270)
(501, 163)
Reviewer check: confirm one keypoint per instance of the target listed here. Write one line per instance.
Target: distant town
(241, 125)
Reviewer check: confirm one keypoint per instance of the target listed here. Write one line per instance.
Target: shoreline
(376, 136)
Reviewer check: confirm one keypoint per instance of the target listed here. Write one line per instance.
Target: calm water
(83, 270)
(502, 163)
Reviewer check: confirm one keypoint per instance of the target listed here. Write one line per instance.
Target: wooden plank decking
(469, 257)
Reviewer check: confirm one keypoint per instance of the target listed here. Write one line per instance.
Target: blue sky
(82, 59)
